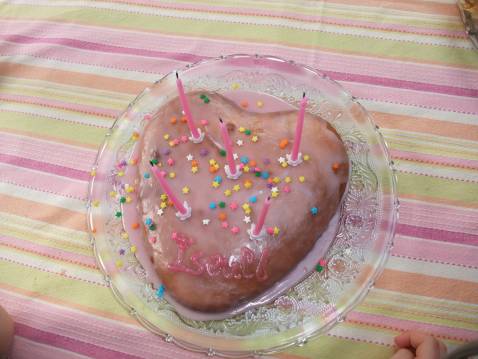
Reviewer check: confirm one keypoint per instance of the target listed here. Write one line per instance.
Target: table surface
(68, 68)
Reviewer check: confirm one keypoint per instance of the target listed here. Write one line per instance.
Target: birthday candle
(187, 111)
(167, 189)
(262, 216)
(298, 128)
(228, 147)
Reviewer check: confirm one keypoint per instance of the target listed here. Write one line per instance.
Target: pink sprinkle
(270, 230)
(286, 189)
(233, 206)
(174, 235)
(170, 161)
(235, 229)
(176, 141)
(241, 166)
(323, 262)
(204, 122)
(184, 139)
(224, 224)
(152, 240)
(257, 169)
(147, 117)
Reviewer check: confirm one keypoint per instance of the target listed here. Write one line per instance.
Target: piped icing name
(246, 266)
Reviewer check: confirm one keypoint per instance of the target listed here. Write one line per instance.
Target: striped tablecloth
(67, 68)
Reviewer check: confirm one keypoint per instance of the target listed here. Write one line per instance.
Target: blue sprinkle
(245, 159)
(148, 221)
(253, 199)
(212, 205)
(265, 175)
(146, 175)
(160, 291)
(218, 179)
(314, 211)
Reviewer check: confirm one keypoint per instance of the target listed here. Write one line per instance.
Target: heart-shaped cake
(210, 262)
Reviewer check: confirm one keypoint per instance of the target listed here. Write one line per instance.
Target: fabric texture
(68, 68)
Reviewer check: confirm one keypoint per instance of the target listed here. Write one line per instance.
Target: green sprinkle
(222, 153)
(118, 214)
(154, 161)
(123, 199)
(319, 268)
(202, 96)
(258, 174)
(152, 227)
(206, 100)
(247, 132)
(222, 204)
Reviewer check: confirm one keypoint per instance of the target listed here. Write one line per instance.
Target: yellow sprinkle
(259, 104)
(113, 194)
(166, 137)
(133, 249)
(246, 169)
(245, 206)
(95, 203)
(236, 187)
(93, 173)
(247, 184)
(216, 166)
(254, 139)
(288, 179)
(274, 194)
(164, 197)
(172, 144)
(130, 189)
(172, 174)
(306, 157)
(163, 205)
(247, 211)
(185, 189)
(276, 231)
(227, 192)
(276, 180)
(194, 169)
(215, 184)
(120, 174)
(128, 199)
(242, 129)
(302, 179)
(135, 136)
(124, 235)
(235, 86)
(119, 263)
(212, 162)
(284, 164)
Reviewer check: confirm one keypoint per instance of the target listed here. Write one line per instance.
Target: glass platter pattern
(356, 257)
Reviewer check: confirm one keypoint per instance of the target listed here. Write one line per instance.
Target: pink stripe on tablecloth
(50, 252)
(310, 18)
(45, 182)
(67, 343)
(24, 348)
(206, 48)
(435, 159)
(47, 151)
(436, 251)
(402, 324)
(437, 234)
(45, 167)
(70, 106)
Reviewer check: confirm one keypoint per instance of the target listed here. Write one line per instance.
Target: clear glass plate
(356, 257)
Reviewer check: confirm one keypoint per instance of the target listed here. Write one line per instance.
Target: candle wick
(220, 120)
(303, 93)
(177, 75)
(151, 163)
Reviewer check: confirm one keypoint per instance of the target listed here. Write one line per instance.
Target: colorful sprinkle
(247, 219)
(172, 174)
(173, 120)
(235, 230)
(227, 192)
(335, 167)
(135, 225)
(247, 184)
(314, 211)
(95, 203)
(204, 122)
(133, 249)
(123, 199)
(154, 161)
(257, 174)
(163, 205)
(235, 86)
(281, 160)
(247, 132)
(283, 143)
(266, 161)
(224, 224)
(166, 136)
(212, 205)
(206, 221)
(236, 188)
(160, 212)
(222, 153)
(288, 179)
(164, 197)
(270, 231)
(284, 165)
(242, 129)
(113, 194)
(166, 151)
(222, 216)
(194, 169)
(244, 104)
(276, 231)
(323, 262)
(122, 252)
(254, 138)
(239, 142)
(215, 184)
(218, 179)
(246, 169)
(119, 263)
(146, 175)
(253, 199)
(286, 189)
(120, 174)
(124, 235)
(92, 173)
(253, 163)
(185, 190)
(244, 159)
(233, 206)
(222, 204)
(265, 175)
(152, 240)
(118, 214)
(306, 157)
(170, 162)
(301, 179)
(152, 227)
(160, 292)
(259, 104)
(184, 119)
(203, 152)
(148, 221)
(319, 268)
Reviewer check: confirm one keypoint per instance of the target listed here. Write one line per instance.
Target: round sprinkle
(93, 173)
(335, 167)
(242, 129)
(133, 249)
(306, 157)
(266, 161)
(123, 199)
(160, 292)
(166, 151)
(172, 174)
(170, 162)
(288, 179)
(323, 262)
(259, 104)
(166, 136)
(276, 180)
(204, 122)
(270, 230)
(247, 184)
(207, 100)
(247, 132)
(154, 161)
(152, 227)
(222, 216)
(212, 169)
(253, 199)
(235, 86)
(265, 175)
(135, 225)
(224, 224)
(218, 179)
(152, 240)
(283, 143)
(244, 159)
(203, 152)
(124, 235)
(253, 163)
(258, 174)
(314, 211)
(222, 153)
(233, 206)
(118, 214)
(184, 119)
(146, 175)
(319, 268)
(222, 204)
(119, 263)
(173, 120)
(235, 229)
(244, 104)
(212, 205)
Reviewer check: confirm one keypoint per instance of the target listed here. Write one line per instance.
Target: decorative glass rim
(304, 335)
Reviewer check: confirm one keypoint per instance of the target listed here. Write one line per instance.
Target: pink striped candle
(187, 111)
(228, 147)
(298, 129)
(160, 175)
(262, 217)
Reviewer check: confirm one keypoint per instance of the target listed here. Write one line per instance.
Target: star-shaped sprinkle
(224, 224)
(274, 194)
(242, 129)
(288, 179)
(276, 180)
(239, 142)
(113, 194)
(206, 221)
(227, 192)
(164, 197)
(215, 184)
(172, 174)
(124, 235)
(245, 206)
(281, 159)
(276, 231)
(314, 211)
(163, 205)
(189, 157)
(284, 165)
(194, 169)
(233, 206)
(235, 156)
(286, 189)
(133, 249)
(160, 212)
(185, 190)
(246, 169)
(184, 139)
(254, 138)
(128, 199)
(236, 187)
(247, 184)
(247, 219)
(274, 189)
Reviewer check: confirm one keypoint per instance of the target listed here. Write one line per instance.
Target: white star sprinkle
(281, 159)
(235, 155)
(239, 142)
(274, 189)
(189, 157)
(160, 212)
(247, 219)
(206, 221)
